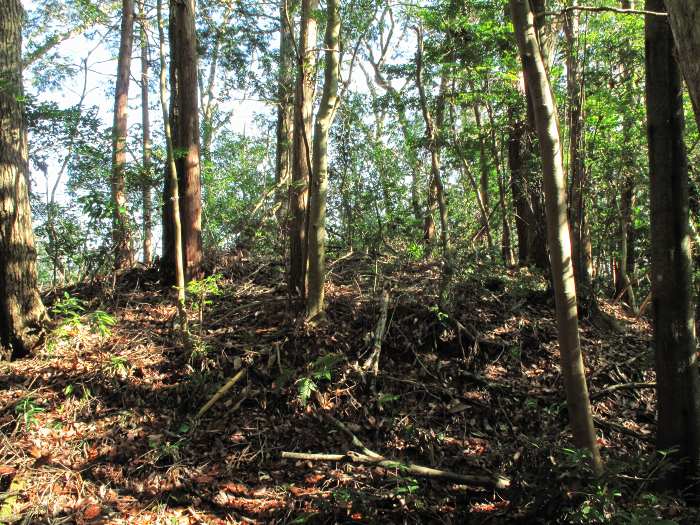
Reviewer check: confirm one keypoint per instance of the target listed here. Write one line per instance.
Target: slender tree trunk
(146, 128)
(685, 23)
(516, 165)
(678, 404)
(547, 126)
(433, 128)
(21, 310)
(577, 170)
(121, 237)
(173, 187)
(319, 181)
(301, 152)
(184, 123)
(285, 111)
(483, 170)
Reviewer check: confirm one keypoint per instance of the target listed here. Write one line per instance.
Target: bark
(483, 189)
(173, 187)
(285, 111)
(517, 168)
(678, 407)
(121, 236)
(301, 148)
(319, 182)
(21, 310)
(184, 123)
(558, 231)
(685, 24)
(146, 129)
(577, 169)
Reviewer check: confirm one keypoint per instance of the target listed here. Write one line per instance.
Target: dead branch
(310, 456)
(622, 386)
(220, 393)
(602, 9)
(615, 427)
(372, 363)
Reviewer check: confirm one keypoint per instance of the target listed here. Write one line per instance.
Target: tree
(301, 152)
(678, 404)
(545, 114)
(319, 173)
(685, 24)
(121, 237)
(184, 123)
(285, 109)
(21, 310)
(146, 132)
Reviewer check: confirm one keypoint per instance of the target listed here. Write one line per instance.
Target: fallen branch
(368, 456)
(372, 363)
(622, 386)
(220, 393)
(622, 430)
(310, 456)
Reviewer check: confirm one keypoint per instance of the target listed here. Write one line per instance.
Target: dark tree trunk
(184, 123)
(678, 408)
(21, 310)
(121, 237)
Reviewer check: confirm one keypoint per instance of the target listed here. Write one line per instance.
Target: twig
(622, 430)
(621, 386)
(602, 9)
(309, 456)
(220, 393)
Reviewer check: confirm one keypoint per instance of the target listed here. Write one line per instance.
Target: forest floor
(103, 427)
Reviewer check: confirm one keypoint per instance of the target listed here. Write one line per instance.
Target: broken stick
(372, 363)
(220, 393)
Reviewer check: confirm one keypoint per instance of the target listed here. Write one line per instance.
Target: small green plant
(199, 290)
(102, 322)
(70, 308)
(118, 366)
(27, 409)
(442, 316)
(320, 370)
(415, 251)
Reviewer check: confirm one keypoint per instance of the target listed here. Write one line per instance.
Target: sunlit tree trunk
(184, 123)
(484, 173)
(21, 310)
(301, 152)
(517, 168)
(285, 110)
(146, 130)
(173, 220)
(678, 407)
(685, 23)
(319, 176)
(121, 238)
(559, 240)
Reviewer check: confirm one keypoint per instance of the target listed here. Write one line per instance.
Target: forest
(349, 261)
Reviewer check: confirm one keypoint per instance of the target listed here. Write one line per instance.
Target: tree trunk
(547, 126)
(436, 190)
(577, 170)
(301, 148)
(121, 237)
(184, 123)
(173, 186)
(678, 424)
(516, 165)
(685, 24)
(285, 111)
(21, 310)
(319, 180)
(146, 129)
(483, 188)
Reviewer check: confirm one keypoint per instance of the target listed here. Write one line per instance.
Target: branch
(617, 10)
(621, 386)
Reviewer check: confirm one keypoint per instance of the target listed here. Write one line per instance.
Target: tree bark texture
(319, 177)
(121, 237)
(678, 406)
(21, 310)
(558, 231)
(184, 123)
(301, 148)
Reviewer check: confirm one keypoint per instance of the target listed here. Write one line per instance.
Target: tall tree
(545, 113)
(184, 123)
(121, 237)
(319, 174)
(677, 386)
(301, 152)
(685, 24)
(21, 310)
(285, 109)
(146, 134)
